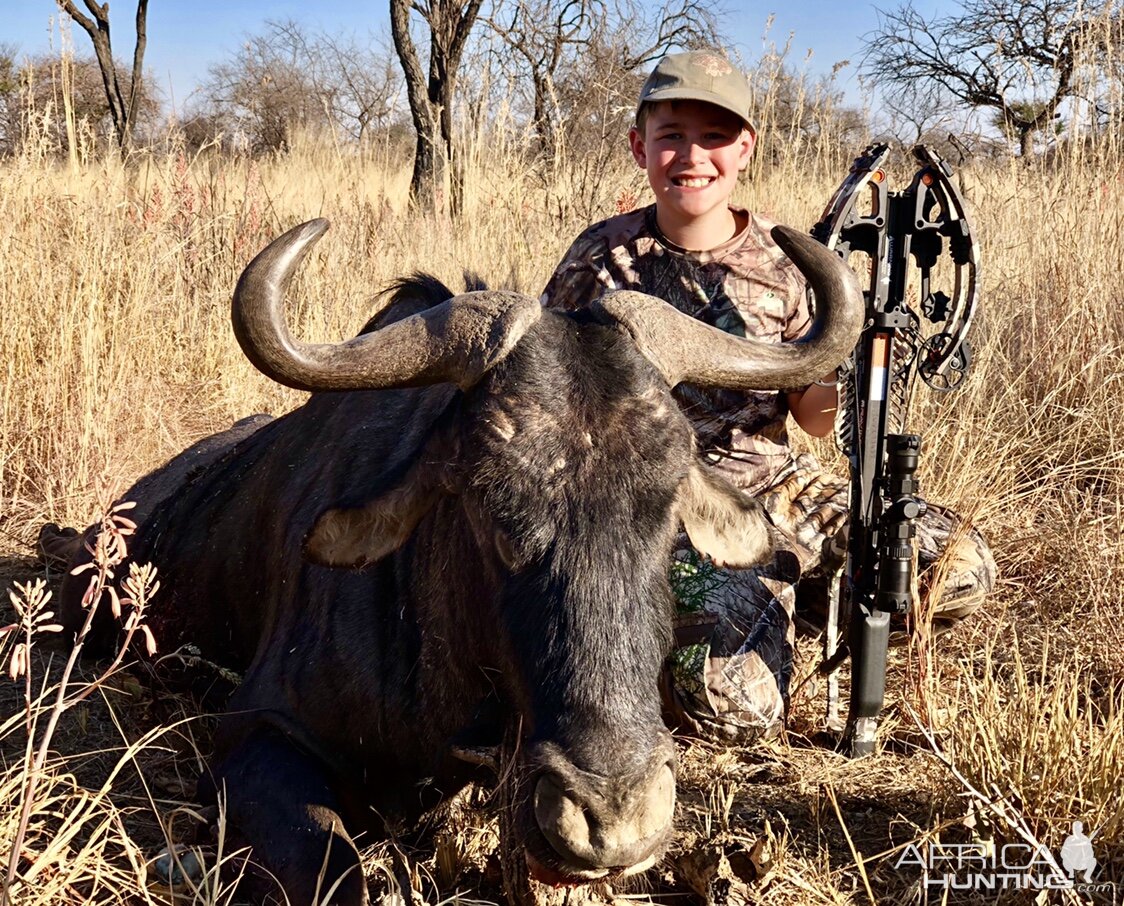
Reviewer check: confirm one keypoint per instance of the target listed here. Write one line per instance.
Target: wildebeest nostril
(604, 827)
(561, 819)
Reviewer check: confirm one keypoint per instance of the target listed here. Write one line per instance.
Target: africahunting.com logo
(1010, 866)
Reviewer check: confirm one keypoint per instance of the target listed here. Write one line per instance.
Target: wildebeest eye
(504, 548)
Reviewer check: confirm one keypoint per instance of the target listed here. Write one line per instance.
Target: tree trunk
(545, 114)
(431, 98)
(427, 176)
(135, 89)
(427, 184)
(121, 110)
(453, 166)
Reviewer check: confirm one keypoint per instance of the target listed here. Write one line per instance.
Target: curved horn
(457, 341)
(685, 349)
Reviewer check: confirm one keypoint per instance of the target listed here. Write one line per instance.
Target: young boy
(693, 136)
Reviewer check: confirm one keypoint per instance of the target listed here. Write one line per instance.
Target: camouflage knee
(728, 678)
(957, 569)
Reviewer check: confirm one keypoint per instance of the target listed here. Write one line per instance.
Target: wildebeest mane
(408, 295)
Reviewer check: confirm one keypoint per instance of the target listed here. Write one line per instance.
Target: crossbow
(906, 335)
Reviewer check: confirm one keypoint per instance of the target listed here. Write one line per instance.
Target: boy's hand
(814, 407)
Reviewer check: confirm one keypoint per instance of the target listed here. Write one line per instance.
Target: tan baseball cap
(699, 75)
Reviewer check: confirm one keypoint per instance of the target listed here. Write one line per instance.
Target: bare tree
(365, 83)
(1017, 57)
(560, 38)
(645, 34)
(259, 97)
(285, 79)
(540, 33)
(911, 124)
(122, 99)
(430, 92)
(264, 91)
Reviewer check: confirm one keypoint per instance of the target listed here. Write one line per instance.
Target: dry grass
(114, 282)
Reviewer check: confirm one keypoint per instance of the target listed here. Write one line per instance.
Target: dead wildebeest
(477, 556)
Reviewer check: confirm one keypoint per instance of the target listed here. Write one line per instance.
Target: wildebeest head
(570, 466)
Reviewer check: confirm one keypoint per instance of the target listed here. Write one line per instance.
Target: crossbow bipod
(875, 390)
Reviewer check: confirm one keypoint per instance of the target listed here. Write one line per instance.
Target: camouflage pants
(729, 677)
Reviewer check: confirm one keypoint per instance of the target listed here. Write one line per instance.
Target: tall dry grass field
(117, 352)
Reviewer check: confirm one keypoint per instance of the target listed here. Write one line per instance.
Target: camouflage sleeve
(580, 277)
(799, 309)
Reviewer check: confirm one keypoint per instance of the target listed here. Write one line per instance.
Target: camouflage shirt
(746, 287)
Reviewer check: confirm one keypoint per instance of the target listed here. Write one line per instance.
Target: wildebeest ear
(728, 526)
(359, 536)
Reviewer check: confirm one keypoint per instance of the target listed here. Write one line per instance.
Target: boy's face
(693, 152)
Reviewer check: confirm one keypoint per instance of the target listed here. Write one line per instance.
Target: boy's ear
(636, 143)
(748, 140)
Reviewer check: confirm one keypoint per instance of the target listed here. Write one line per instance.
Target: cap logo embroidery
(712, 65)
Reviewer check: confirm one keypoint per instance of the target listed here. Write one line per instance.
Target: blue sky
(185, 36)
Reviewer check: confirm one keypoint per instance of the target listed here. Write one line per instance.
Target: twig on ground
(855, 854)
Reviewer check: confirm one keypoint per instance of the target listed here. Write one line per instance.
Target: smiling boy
(693, 136)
